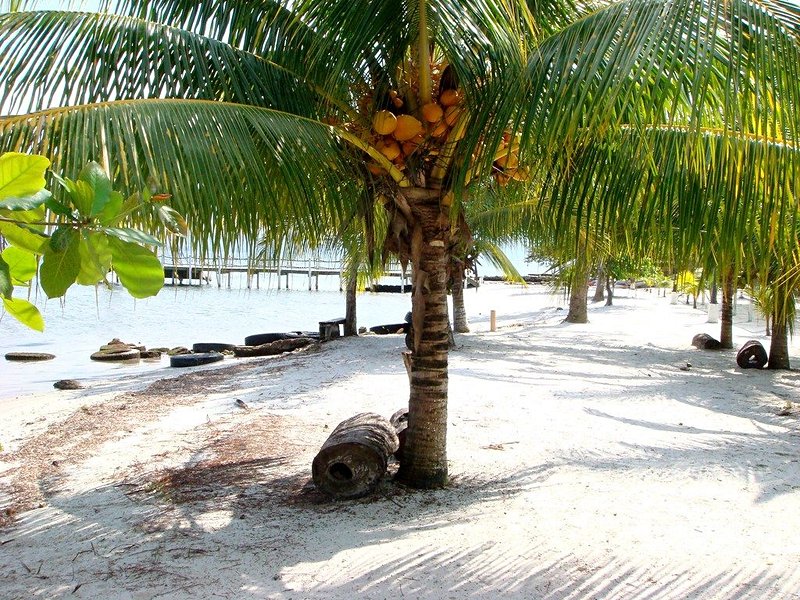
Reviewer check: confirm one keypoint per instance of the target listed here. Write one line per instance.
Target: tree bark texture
(353, 459)
(424, 463)
(460, 324)
(599, 290)
(609, 290)
(399, 421)
(779, 341)
(579, 295)
(726, 310)
(350, 322)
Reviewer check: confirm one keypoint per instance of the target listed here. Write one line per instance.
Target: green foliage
(630, 267)
(77, 237)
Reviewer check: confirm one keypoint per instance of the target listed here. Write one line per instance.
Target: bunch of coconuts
(398, 135)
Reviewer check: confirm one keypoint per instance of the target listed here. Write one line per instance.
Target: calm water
(177, 316)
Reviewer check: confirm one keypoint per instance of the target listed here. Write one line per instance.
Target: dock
(204, 272)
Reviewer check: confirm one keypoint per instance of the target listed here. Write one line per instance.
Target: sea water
(180, 315)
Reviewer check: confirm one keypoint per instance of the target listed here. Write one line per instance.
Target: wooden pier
(203, 272)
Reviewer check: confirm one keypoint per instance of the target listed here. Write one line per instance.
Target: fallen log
(353, 459)
(752, 355)
(399, 421)
(703, 341)
(273, 348)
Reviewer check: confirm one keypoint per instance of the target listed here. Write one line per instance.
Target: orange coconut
(508, 161)
(407, 128)
(384, 122)
(449, 98)
(389, 148)
(375, 168)
(432, 112)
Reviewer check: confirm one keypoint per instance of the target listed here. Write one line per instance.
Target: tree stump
(752, 355)
(703, 341)
(399, 421)
(353, 459)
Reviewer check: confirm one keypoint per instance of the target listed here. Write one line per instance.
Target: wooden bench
(330, 329)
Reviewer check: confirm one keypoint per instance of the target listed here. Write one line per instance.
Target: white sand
(585, 464)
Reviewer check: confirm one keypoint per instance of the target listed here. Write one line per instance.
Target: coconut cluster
(506, 164)
(399, 135)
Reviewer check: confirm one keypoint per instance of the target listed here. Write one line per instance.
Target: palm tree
(261, 117)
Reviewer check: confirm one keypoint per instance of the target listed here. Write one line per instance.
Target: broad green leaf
(58, 208)
(24, 312)
(97, 179)
(111, 212)
(138, 268)
(21, 174)
(60, 268)
(173, 220)
(61, 238)
(6, 289)
(21, 263)
(23, 235)
(26, 202)
(126, 234)
(82, 197)
(95, 259)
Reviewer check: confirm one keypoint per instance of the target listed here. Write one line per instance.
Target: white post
(492, 320)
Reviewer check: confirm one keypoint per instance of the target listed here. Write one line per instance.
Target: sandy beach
(605, 460)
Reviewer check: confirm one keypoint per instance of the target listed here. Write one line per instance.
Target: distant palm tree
(265, 116)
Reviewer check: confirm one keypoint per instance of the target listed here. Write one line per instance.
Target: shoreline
(584, 462)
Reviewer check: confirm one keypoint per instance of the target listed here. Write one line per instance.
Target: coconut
(407, 128)
(521, 174)
(432, 112)
(389, 148)
(508, 161)
(384, 122)
(375, 168)
(449, 98)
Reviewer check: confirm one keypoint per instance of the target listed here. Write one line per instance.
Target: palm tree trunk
(350, 322)
(599, 290)
(459, 310)
(778, 344)
(579, 294)
(424, 463)
(609, 291)
(726, 310)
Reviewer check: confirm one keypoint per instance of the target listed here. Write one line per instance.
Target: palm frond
(70, 58)
(237, 170)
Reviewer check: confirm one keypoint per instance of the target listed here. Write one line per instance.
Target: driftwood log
(703, 341)
(353, 459)
(399, 421)
(273, 348)
(752, 355)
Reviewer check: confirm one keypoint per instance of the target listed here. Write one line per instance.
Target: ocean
(179, 315)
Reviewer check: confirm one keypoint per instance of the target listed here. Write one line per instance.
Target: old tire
(259, 339)
(194, 360)
(29, 356)
(752, 355)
